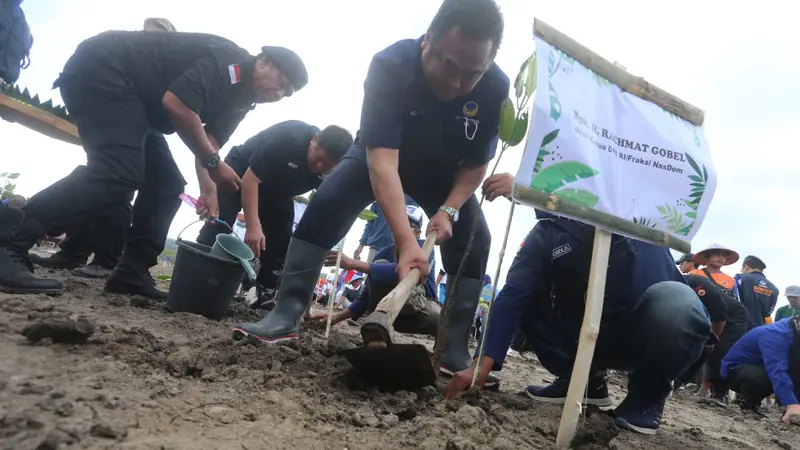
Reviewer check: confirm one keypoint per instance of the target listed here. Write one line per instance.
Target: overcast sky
(738, 64)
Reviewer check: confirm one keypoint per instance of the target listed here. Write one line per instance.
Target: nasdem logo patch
(470, 109)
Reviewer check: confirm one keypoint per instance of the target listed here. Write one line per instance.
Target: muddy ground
(134, 376)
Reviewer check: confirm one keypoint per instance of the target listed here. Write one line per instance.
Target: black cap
(289, 63)
(685, 258)
(754, 262)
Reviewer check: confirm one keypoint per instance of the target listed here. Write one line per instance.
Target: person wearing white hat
(793, 308)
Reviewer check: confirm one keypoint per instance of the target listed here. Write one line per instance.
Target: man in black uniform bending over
(286, 159)
(104, 235)
(429, 126)
(120, 87)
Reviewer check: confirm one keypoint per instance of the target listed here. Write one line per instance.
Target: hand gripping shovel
(387, 364)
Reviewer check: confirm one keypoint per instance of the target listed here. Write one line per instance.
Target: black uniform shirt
(758, 295)
(719, 305)
(278, 156)
(210, 74)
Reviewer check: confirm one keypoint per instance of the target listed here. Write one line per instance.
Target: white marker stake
(332, 295)
(588, 338)
(485, 330)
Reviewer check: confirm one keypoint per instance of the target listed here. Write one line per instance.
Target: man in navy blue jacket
(766, 360)
(429, 127)
(421, 313)
(653, 325)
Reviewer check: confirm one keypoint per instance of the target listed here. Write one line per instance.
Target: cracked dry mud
(97, 371)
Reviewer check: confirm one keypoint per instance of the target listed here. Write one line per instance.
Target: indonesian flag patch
(235, 73)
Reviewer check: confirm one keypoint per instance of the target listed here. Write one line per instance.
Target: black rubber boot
(125, 279)
(58, 261)
(456, 348)
(300, 274)
(96, 271)
(17, 236)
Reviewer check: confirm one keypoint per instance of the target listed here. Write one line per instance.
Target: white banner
(614, 152)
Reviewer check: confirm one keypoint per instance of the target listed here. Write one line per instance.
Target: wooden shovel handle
(379, 323)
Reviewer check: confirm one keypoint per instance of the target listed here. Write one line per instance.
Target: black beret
(755, 262)
(685, 258)
(289, 63)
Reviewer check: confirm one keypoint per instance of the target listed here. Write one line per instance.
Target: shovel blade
(396, 367)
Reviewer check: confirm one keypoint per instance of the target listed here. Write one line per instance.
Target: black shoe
(126, 280)
(57, 261)
(265, 299)
(556, 392)
(92, 271)
(753, 412)
(17, 277)
(303, 263)
(641, 414)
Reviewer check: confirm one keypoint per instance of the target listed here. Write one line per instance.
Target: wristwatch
(211, 162)
(452, 212)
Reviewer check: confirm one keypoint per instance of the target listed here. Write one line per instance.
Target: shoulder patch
(561, 250)
(235, 73)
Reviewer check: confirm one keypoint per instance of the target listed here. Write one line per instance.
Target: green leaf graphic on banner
(645, 222)
(548, 138)
(560, 174)
(585, 198)
(555, 105)
(674, 219)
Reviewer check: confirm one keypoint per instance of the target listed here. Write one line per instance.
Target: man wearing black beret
(757, 293)
(120, 87)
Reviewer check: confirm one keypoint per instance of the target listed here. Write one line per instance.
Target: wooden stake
(588, 338)
(332, 295)
(37, 120)
(627, 82)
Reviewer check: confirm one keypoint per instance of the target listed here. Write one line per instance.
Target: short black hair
(478, 19)
(335, 140)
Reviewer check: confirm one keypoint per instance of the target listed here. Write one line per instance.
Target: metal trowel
(387, 364)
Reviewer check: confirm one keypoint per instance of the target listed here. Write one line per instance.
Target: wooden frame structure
(15, 111)
(590, 328)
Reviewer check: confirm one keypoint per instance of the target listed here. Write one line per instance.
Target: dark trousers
(730, 334)
(754, 384)
(114, 128)
(655, 342)
(277, 217)
(347, 191)
(103, 236)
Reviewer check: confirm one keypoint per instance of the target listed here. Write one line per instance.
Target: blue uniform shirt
(377, 233)
(553, 265)
(766, 346)
(386, 274)
(434, 137)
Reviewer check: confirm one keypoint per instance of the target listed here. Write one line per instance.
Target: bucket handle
(248, 268)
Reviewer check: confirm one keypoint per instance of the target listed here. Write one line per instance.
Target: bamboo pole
(332, 295)
(637, 86)
(485, 331)
(590, 329)
(573, 210)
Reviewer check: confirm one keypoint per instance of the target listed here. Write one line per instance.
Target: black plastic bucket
(201, 282)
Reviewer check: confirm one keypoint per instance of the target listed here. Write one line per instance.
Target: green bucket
(231, 247)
